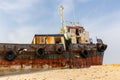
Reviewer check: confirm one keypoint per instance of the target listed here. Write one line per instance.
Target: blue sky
(21, 19)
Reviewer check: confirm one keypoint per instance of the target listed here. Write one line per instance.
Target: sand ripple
(105, 72)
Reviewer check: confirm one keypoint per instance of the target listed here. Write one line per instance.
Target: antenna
(62, 16)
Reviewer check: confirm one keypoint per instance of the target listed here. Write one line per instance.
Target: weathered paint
(51, 59)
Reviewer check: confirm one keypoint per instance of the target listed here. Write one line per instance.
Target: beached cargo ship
(71, 48)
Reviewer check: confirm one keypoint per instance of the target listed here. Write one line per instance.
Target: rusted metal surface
(53, 56)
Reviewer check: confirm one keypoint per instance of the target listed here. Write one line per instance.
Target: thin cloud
(17, 5)
(17, 12)
(22, 34)
(84, 1)
(107, 21)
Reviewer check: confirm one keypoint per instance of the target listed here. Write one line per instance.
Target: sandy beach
(105, 72)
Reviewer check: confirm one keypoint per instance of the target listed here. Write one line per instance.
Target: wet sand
(105, 72)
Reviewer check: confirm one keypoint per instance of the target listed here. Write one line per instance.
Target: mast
(61, 15)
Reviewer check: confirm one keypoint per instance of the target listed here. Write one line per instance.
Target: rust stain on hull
(51, 57)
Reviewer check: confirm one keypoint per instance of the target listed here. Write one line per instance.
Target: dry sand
(105, 72)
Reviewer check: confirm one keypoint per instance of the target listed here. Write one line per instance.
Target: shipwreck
(71, 48)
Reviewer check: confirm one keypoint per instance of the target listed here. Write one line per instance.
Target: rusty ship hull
(31, 56)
